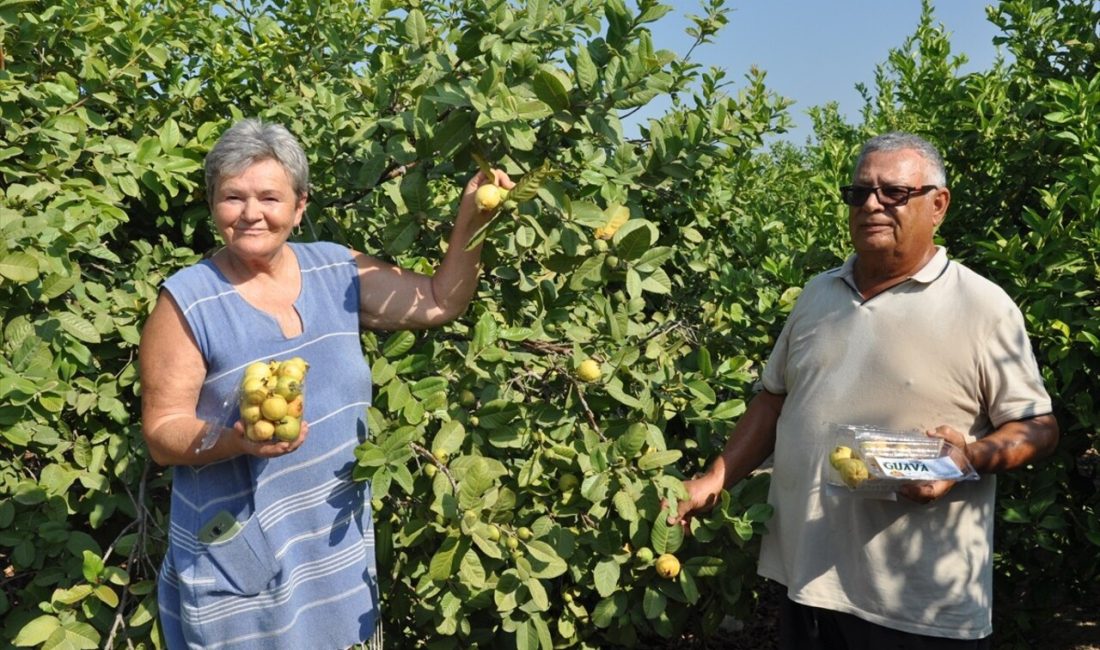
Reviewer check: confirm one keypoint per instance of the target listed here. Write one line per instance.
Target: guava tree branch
(140, 522)
(589, 415)
(435, 461)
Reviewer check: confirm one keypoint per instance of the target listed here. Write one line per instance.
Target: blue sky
(815, 51)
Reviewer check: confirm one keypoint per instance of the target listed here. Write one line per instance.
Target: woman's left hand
(270, 448)
(468, 207)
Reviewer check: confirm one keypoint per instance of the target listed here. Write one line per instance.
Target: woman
(271, 544)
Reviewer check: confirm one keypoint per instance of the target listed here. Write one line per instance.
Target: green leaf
(528, 186)
(527, 636)
(427, 386)
(448, 93)
(17, 386)
(516, 333)
(36, 632)
(69, 123)
(398, 344)
(608, 609)
(633, 283)
(657, 282)
(486, 333)
(546, 562)
(479, 236)
(701, 390)
(80, 328)
(472, 572)
(540, 600)
(19, 267)
(498, 413)
(449, 438)
(543, 632)
(625, 506)
(585, 69)
(77, 636)
(416, 27)
(663, 537)
(92, 566)
(169, 135)
(72, 595)
(144, 612)
(728, 410)
(588, 274)
(655, 459)
(7, 513)
(615, 389)
(606, 577)
(632, 440)
(447, 559)
(551, 90)
(454, 134)
(688, 586)
(653, 603)
(56, 284)
(107, 596)
(635, 238)
(586, 213)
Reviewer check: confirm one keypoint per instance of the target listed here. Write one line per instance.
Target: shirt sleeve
(774, 377)
(1011, 383)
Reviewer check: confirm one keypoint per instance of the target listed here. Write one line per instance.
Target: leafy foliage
(516, 503)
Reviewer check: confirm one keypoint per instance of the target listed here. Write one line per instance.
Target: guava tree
(544, 510)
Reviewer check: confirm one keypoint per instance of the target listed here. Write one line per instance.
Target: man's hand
(931, 491)
(702, 495)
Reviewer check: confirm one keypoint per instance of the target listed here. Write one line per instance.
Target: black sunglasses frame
(857, 195)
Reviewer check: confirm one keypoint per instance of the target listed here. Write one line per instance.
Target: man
(898, 337)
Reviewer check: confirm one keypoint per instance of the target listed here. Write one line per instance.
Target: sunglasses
(888, 195)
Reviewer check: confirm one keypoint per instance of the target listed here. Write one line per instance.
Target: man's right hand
(749, 444)
(702, 495)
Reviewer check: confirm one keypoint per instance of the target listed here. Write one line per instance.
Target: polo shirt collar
(927, 274)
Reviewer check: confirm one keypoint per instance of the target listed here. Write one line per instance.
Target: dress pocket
(239, 556)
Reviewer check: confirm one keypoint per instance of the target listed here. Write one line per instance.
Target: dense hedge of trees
(513, 500)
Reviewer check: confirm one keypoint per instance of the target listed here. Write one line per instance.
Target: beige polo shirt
(943, 347)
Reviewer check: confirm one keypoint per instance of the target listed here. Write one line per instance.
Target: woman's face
(256, 210)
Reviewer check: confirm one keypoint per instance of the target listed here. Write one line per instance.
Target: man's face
(905, 231)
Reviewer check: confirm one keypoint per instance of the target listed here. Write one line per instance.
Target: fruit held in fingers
(489, 197)
(271, 401)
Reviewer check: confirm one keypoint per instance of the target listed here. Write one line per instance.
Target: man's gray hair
(897, 141)
(251, 141)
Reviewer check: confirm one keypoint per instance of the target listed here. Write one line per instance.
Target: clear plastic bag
(219, 421)
(891, 458)
(269, 401)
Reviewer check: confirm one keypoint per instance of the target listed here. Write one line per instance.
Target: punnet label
(920, 469)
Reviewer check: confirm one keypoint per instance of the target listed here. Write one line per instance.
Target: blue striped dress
(275, 553)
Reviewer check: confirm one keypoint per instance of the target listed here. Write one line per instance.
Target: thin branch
(435, 461)
(587, 410)
(119, 623)
(546, 347)
(395, 171)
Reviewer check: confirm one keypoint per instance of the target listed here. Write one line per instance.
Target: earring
(298, 230)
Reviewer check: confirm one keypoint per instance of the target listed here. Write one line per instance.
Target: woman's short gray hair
(251, 141)
(898, 140)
